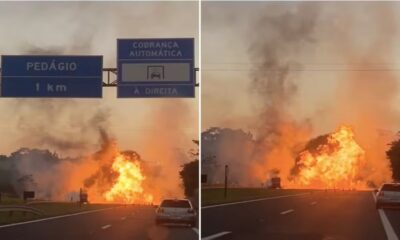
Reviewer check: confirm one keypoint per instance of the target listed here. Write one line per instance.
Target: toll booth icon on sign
(155, 73)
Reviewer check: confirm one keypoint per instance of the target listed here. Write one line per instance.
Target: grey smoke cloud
(301, 86)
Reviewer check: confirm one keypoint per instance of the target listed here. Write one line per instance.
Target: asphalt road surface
(130, 222)
(324, 215)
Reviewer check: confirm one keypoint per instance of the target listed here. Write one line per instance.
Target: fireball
(128, 187)
(335, 163)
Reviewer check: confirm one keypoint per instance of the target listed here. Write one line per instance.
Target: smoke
(65, 126)
(73, 127)
(359, 40)
(224, 146)
(164, 149)
(366, 99)
(55, 178)
(274, 51)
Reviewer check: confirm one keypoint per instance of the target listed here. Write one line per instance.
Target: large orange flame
(335, 164)
(128, 187)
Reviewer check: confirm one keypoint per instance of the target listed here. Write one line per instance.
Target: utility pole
(226, 182)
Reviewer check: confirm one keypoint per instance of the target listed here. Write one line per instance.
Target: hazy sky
(343, 36)
(92, 28)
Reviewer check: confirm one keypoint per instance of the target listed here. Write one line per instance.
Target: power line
(301, 67)
(265, 69)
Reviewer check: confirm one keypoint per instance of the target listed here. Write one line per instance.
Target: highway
(318, 215)
(128, 222)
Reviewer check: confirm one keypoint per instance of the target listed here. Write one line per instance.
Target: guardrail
(11, 209)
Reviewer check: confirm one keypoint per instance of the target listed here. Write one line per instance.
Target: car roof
(176, 199)
(394, 184)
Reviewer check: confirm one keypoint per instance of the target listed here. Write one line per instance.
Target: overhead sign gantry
(51, 76)
(146, 68)
(155, 68)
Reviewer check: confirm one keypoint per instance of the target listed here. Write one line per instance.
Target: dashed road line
(313, 203)
(255, 200)
(106, 226)
(217, 235)
(287, 211)
(123, 218)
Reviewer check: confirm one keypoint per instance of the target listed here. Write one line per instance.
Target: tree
(393, 154)
(226, 146)
(190, 173)
(190, 177)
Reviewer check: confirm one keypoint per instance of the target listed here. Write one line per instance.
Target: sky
(71, 126)
(343, 37)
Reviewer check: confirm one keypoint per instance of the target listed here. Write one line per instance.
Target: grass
(49, 209)
(211, 196)
(7, 200)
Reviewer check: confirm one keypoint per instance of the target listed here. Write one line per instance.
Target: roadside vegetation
(49, 209)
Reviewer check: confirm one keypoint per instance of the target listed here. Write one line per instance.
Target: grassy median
(212, 196)
(50, 209)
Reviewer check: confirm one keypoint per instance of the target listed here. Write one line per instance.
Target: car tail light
(190, 211)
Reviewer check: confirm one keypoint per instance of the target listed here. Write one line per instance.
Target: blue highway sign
(51, 76)
(155, 68)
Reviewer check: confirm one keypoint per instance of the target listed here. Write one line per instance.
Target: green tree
(190, 173)
(393, 154)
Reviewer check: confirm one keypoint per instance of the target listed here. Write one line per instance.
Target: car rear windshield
(391, 187)
(175, 204)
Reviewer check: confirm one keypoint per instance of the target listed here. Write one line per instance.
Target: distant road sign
(51, 76)
(155, 68)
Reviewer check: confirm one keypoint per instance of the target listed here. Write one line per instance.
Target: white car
(176, 211)
(388, 195)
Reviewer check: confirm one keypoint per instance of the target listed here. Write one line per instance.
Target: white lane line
(313, 203)
(374, 196)
(390, 233)
(106, 226)
(255, 200)
(56, 217)
(214, 236)
(196, 230)
(287, 211)
(123, 218)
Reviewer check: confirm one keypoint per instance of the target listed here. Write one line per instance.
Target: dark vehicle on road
(275, 183)
(176, 211)
(388, 195)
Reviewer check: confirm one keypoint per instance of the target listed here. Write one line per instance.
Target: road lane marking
(106, 226)
(196, 230)
(56, 217)
(214, 236)
(287, 211)
(123, 218)
(313, 203)
(390, 233)
(255, 200)
(374, 195)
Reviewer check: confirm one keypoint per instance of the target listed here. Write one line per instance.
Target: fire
(334, 164)
(128, 187)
